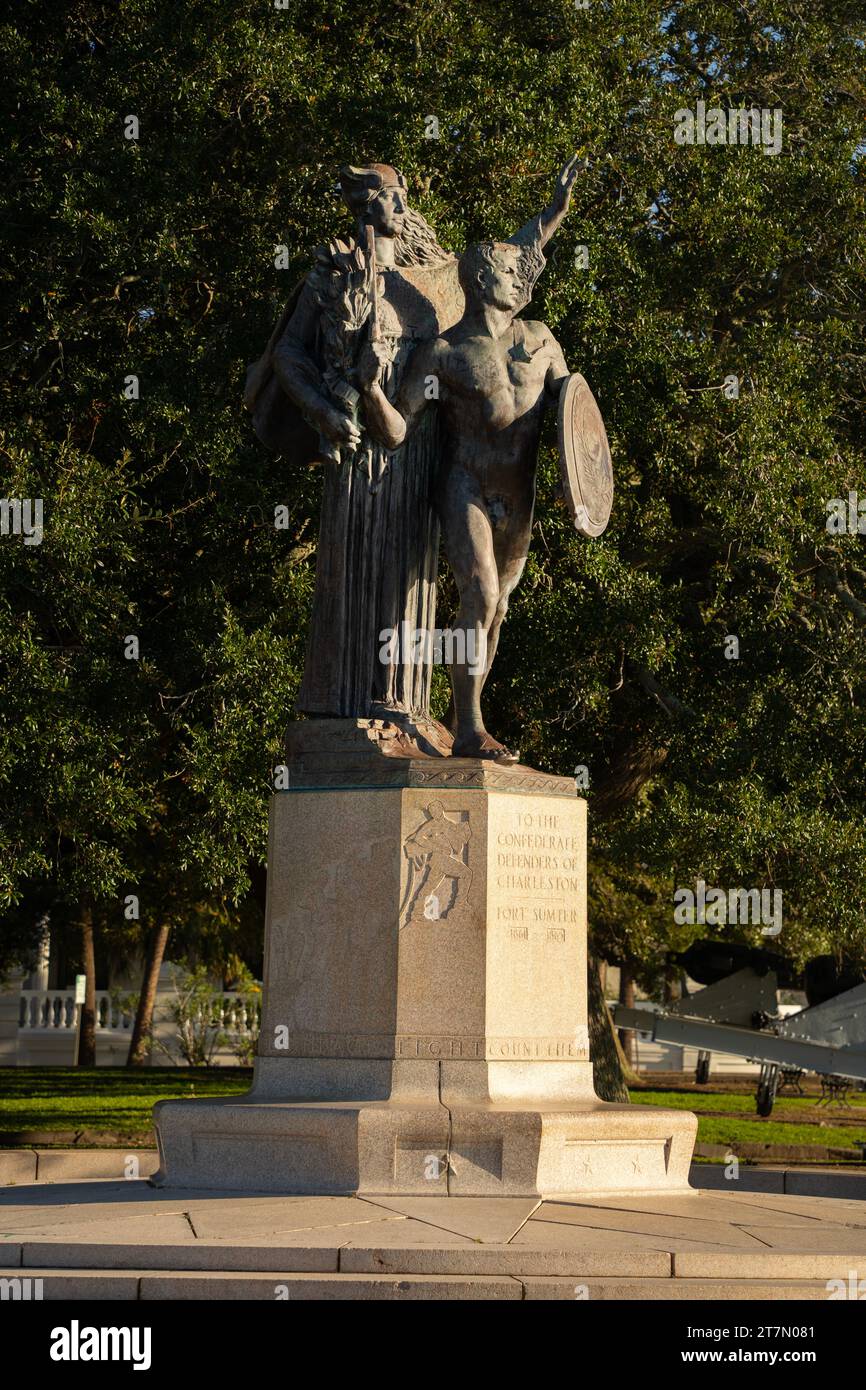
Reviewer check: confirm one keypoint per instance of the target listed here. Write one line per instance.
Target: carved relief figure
(436, 867)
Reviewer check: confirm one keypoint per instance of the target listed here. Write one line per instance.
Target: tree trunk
(87, 1037)
(603, 1047)
(671, 987)
(144, 1013)
(637, 760)
(602, 976)
(626, 998)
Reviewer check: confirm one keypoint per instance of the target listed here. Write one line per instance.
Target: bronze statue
(332, 387)
(495, 375)
(379, 536)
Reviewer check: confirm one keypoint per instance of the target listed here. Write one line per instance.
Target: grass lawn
(109, 1099)
(733, 1132)
(730, 1119)
(745, 1101)
(117, 1103)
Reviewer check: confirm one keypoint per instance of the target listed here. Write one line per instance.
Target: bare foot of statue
(479, 744)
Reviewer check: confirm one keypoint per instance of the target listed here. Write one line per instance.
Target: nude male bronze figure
(495, 374)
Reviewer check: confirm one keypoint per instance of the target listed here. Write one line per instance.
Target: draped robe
(378, 535)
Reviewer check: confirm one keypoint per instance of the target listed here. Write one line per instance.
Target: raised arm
(540, 228)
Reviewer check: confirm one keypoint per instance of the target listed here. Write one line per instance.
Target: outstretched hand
(565, 182)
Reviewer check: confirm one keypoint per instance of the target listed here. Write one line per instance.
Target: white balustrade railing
(237, 1014)
(232, 1014)
(55, 1009)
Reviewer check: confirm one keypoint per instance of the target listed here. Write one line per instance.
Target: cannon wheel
(766, 1093)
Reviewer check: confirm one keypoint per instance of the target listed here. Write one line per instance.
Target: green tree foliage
(154, 257)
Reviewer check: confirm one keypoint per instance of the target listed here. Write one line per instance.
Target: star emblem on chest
(520, 353)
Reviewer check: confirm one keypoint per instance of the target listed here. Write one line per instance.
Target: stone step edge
(442, 1261)
(22, 1166)
(160, 1285)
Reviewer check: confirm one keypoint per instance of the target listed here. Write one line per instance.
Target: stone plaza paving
(125, 1240)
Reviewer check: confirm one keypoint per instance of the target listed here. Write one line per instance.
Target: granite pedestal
(424, 1023)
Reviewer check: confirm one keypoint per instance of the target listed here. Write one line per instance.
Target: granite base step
(127, 1240)
(139, 1285)
(29, 1165)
